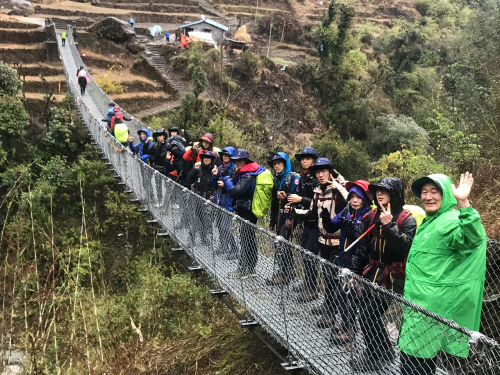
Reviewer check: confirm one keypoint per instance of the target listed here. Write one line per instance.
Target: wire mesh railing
(241, 257)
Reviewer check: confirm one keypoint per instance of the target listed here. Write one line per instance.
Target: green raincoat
(445, 274)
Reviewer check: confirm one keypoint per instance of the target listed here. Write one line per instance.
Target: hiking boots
(302, 287)
(279, 278)
(341, 337)
(242, 274)
(371, 362)
(327, 320)
(307, 296)
(320, 310)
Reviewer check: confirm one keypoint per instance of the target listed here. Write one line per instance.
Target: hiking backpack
(263, 194)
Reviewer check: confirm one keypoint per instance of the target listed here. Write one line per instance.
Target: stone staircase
(179, 88)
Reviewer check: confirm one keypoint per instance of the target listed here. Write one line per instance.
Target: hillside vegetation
(86, 288)
(411, 95)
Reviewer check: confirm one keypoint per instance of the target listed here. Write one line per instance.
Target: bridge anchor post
(292, 366)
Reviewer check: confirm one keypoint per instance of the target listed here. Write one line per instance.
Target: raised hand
(385, 214)
(215, 170)
(334, 185)
(462, 192)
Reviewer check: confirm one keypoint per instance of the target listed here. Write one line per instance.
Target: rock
(95, 2)
(19, 7)
(135, 46)
(113, 29)
(12, 370)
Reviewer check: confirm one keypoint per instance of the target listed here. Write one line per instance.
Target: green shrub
(406, 166)
(457, 148)
(349, 157)
(9, 84)
(391, 132)
(109, 86)
(366, 32)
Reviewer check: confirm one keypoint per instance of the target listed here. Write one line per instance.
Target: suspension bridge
(194, 223)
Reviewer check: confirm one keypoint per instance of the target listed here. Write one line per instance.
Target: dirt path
(88, 8)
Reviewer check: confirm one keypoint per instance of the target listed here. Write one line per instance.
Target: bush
(406, 166)
(9, 84)
(15, 121)
(391, 132)
(349, 157)
(62, 136)
(247, 67)
(456, 148)
(227, 132)
(109, 86)
(366, 32)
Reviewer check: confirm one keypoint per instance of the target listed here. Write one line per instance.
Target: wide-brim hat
(307, 151)
(416, 187)
(173, 129)
(208, 154)
(241, 154)
(321, 163)
(276, 156)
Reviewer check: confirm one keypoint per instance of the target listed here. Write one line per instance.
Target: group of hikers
(357, 225)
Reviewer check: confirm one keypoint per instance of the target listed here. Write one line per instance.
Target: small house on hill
(208, 26)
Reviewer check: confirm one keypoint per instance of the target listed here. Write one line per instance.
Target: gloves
(224, 172)
(325, 214)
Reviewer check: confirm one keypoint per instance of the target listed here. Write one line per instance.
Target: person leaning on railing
(380, 258)
(445, 274)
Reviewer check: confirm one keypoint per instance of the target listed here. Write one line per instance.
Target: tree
(14, 120)
(198, 81)
(349, 157)
(9, 84)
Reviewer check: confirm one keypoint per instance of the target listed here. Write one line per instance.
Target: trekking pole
(354, 243)
(279, 213)
(219, 192)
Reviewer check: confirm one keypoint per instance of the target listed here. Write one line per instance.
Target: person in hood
(285, 183)
(193, 155)
(445, 273)
(302, 200)
(349, 223)
(200, 177)
(380, 258)
(174, 132)
(227, 242)
(159, 150)
(131, 21)
(111, 109)
(329, 199)
(142, 149)
(173, 161)
(121, 132)
(241, 188)
(63, 38)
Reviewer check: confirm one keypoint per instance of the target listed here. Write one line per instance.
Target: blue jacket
(242, 186)
(111, 112)
(225, 201)
(142, 148)
(346, 238)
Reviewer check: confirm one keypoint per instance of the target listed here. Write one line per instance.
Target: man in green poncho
(444, 274)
